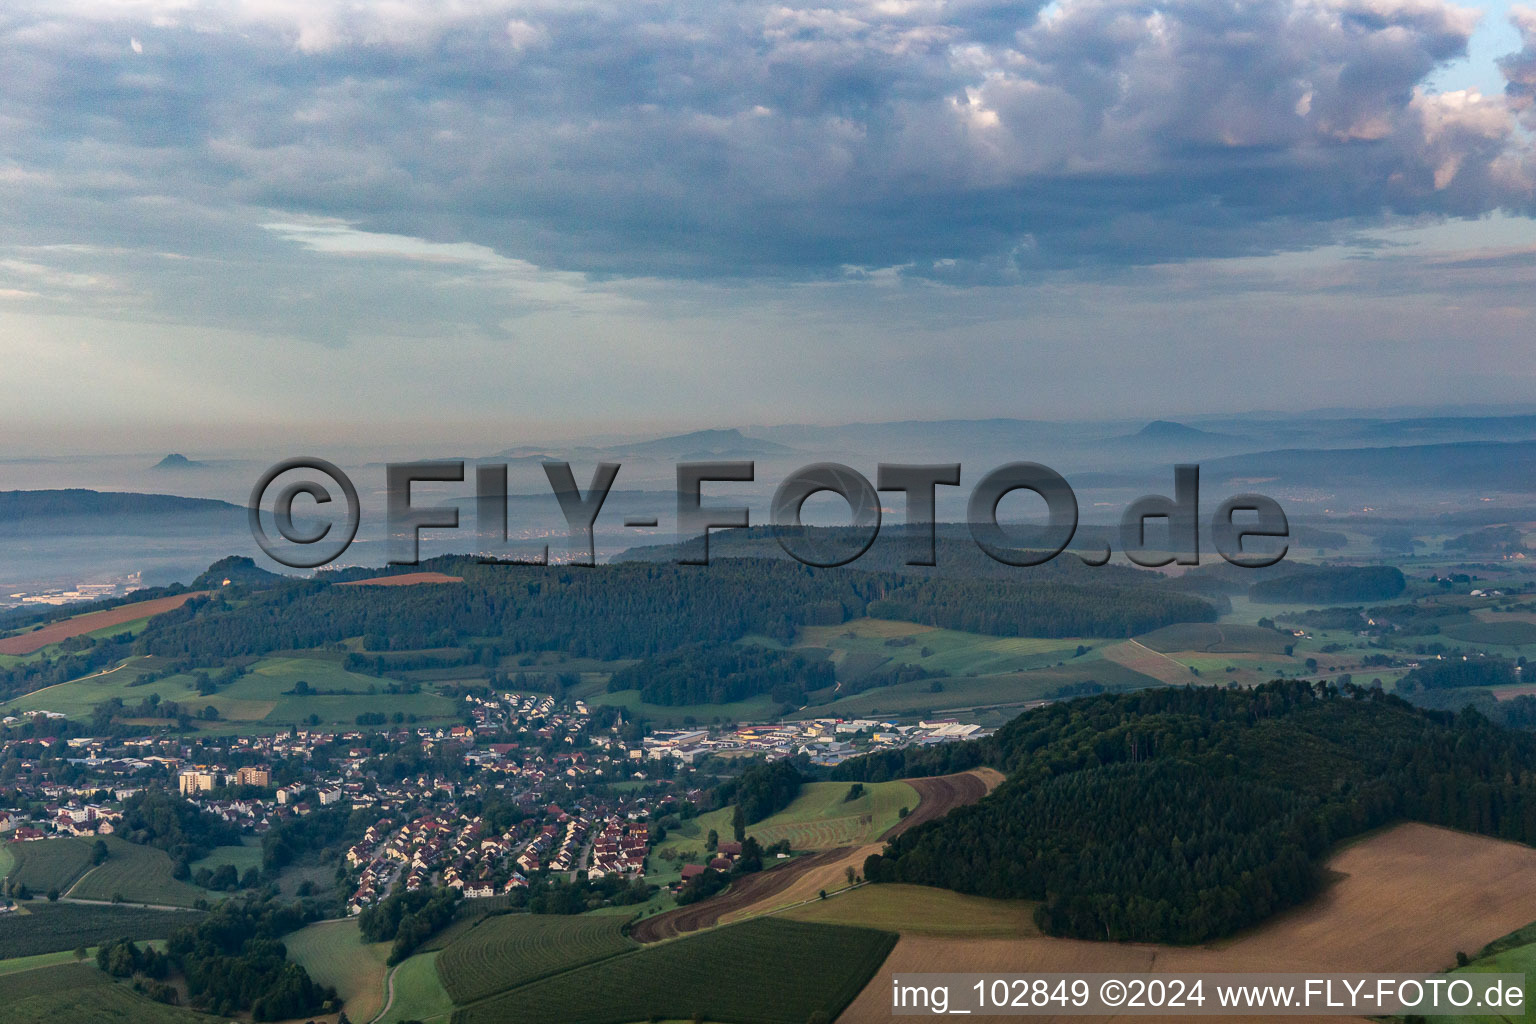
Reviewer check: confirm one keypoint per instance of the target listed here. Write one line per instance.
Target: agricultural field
(418, 993)
(50, 927)
(1216, 638)
(407, 579)
(1138, 657)
(80, 992)
(921, 910)
(18, 985)
(1001, 695)
(1393, 908)
(468, 915)
(821, 818)
(334, 954)
(1497, 633)
(765, 971)
(138, 874)
(862, 645)
(258, 701)
(110, 620)
(48, 863)
(508, 950)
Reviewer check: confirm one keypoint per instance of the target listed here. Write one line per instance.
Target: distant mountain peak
(1160, 430)
(179, 461)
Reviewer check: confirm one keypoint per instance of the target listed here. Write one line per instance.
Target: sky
(265, 221)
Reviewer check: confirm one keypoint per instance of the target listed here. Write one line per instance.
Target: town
(575, 792)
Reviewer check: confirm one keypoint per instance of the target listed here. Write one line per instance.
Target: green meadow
(260, 700)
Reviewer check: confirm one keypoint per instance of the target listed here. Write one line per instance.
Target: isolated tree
(712, 843)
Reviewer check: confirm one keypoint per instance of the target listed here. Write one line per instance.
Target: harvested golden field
(1407, 899)
(408, 579)
(1139, 658)
(1487, 615)
(922, 910)
(52, 633)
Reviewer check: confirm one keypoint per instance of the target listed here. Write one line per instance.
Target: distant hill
(18, 505)
(1469, 465)
(1167, 432)
(175, 461)
(699, 444)
(705, 443)
(236, 569)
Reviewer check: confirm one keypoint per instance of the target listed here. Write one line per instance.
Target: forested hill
(636, 610)
(956, 554)
(1183, 815)
(17, 505)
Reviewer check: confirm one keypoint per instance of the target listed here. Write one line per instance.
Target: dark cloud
(960, 141)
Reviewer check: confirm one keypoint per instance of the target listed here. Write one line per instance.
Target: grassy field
(334, 954)
(243, 858)
(861, 645)
(139, 874)
(49, 863)
(766, 971)
(981, 671)
(1519, 959)
(258, 701)
(419, 993)
(17, 964)
(821, 818)
(513, 949)
(818, 819)
(689, 837)
(965, 693)
(665, 716)
(80, 992)
(1216, 638)
(40, 981)
(51, 927)
(1499, 634)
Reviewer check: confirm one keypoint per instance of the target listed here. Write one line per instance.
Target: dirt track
(743, 892)
(779, 886)
(36, 640)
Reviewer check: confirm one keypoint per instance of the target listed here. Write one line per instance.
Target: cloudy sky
(265, 220)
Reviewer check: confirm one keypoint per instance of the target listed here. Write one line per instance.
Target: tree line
(637, 610)
(721, 673)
